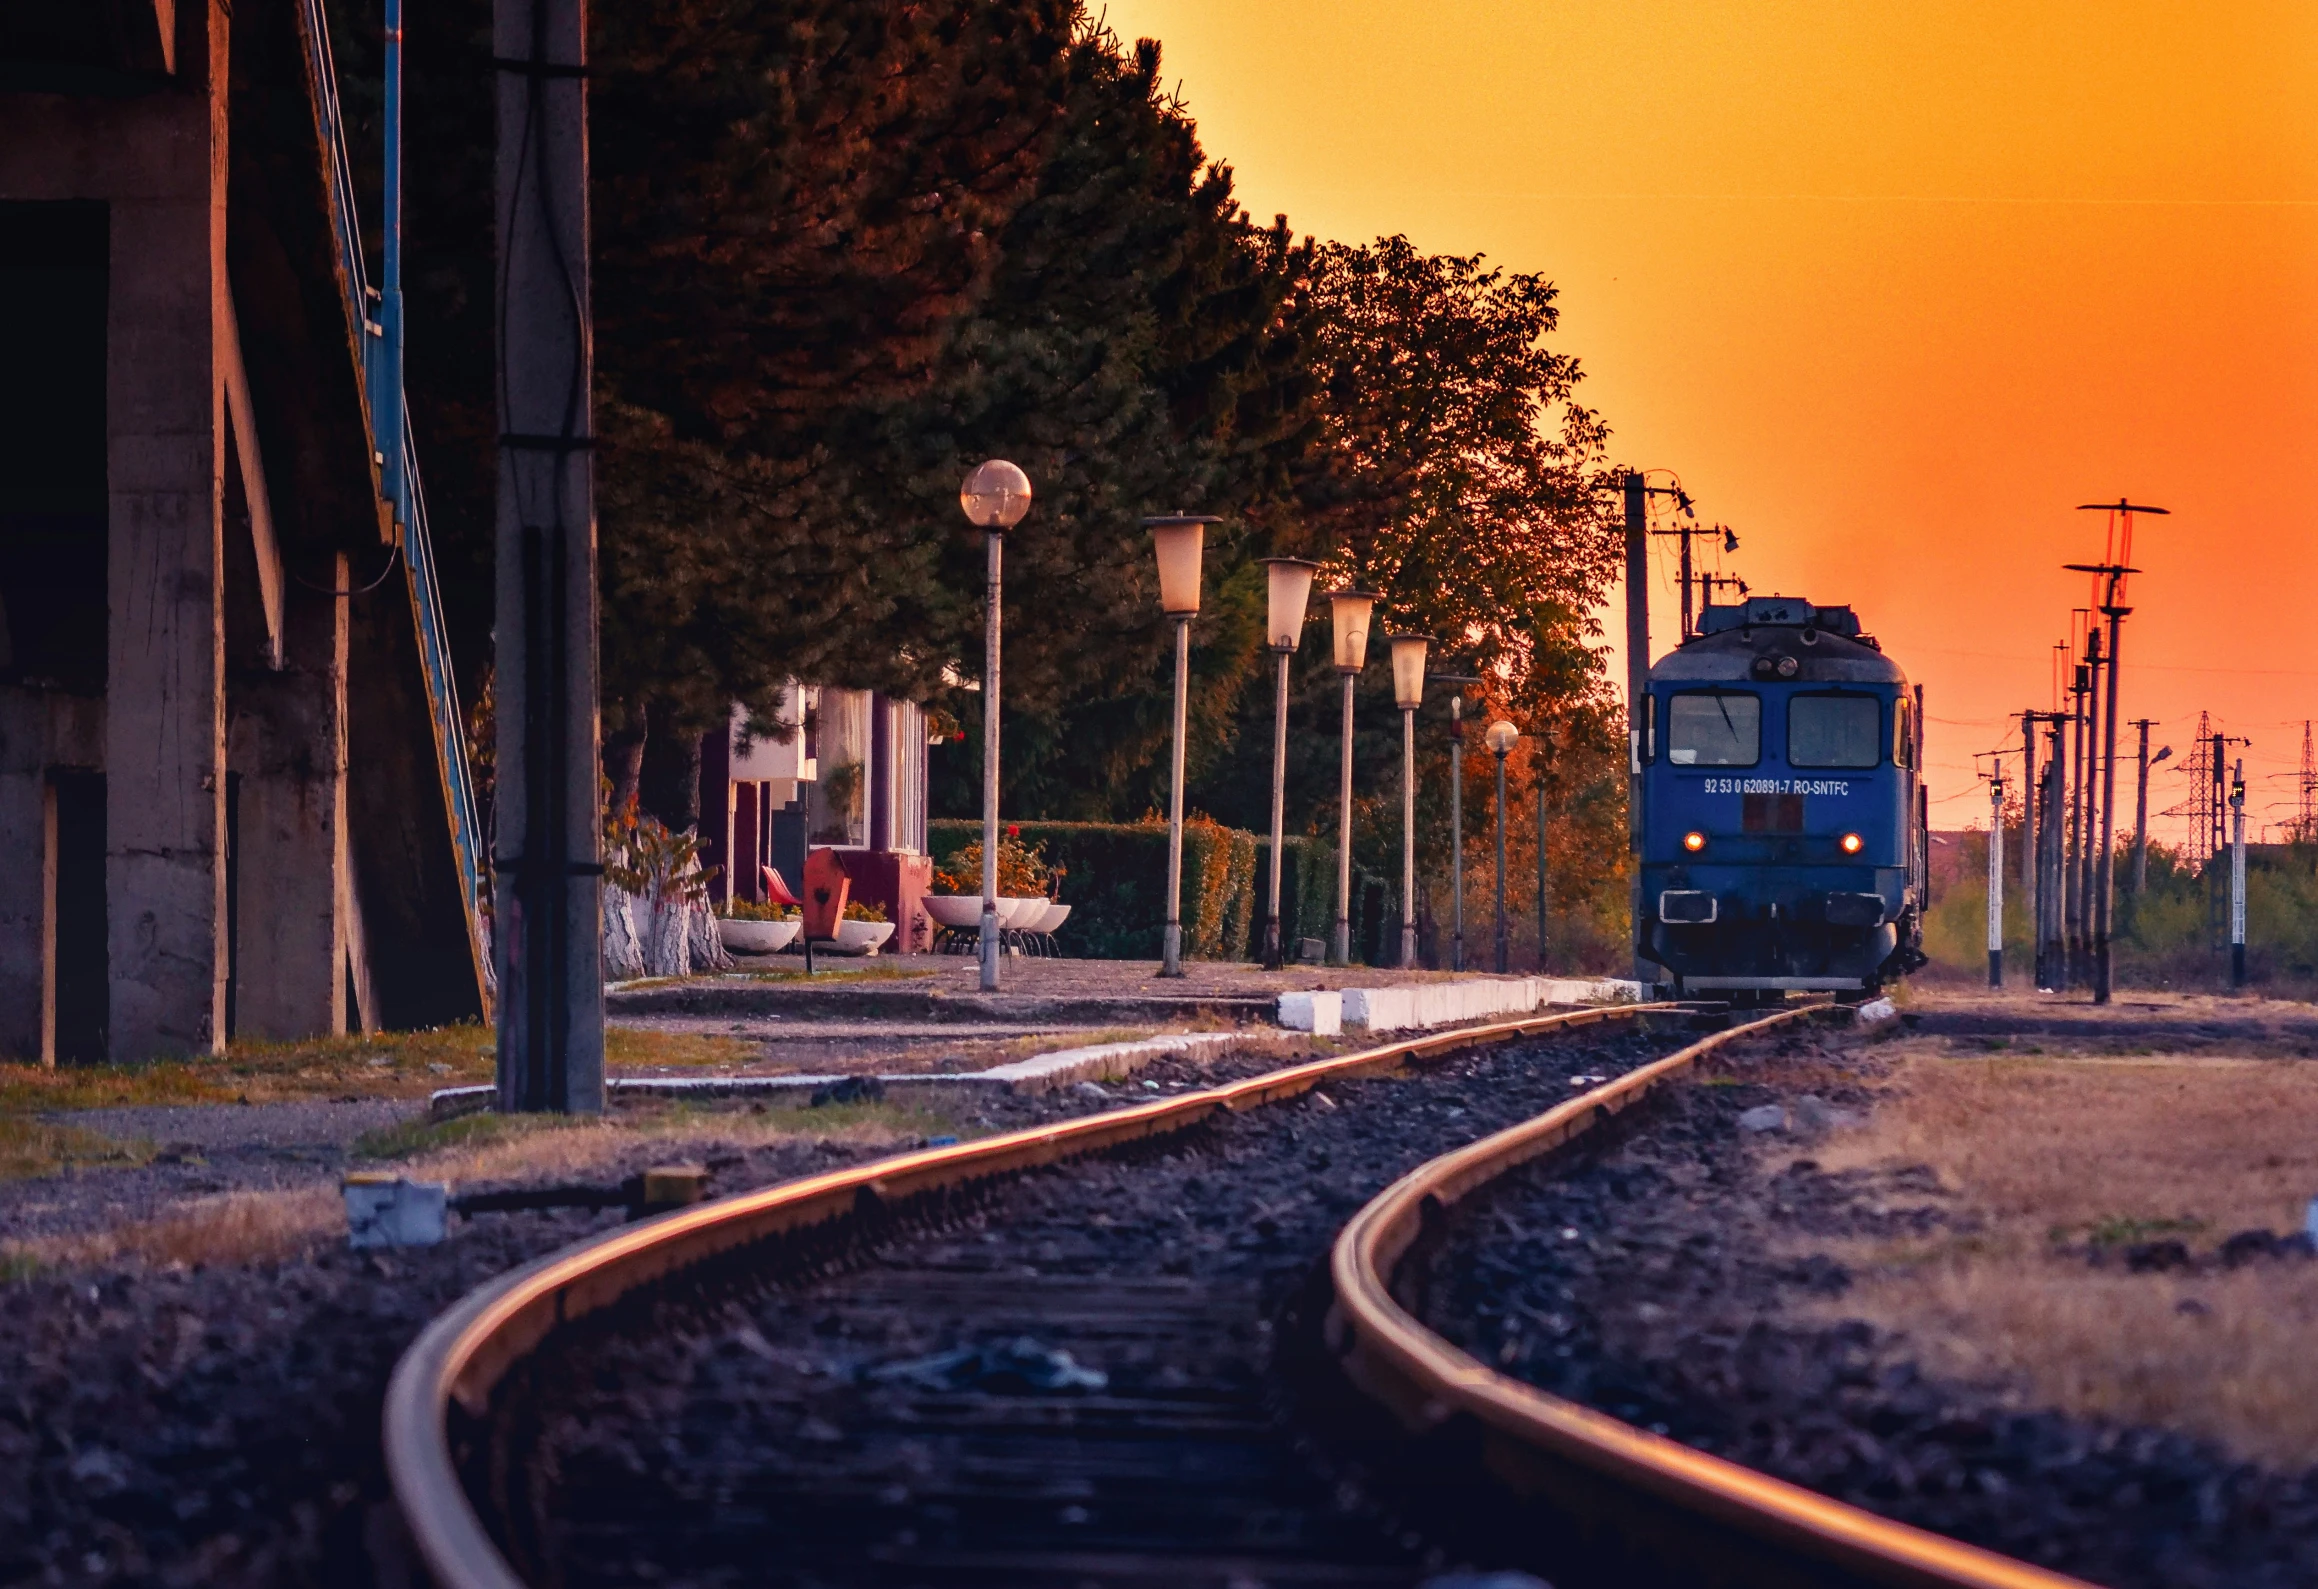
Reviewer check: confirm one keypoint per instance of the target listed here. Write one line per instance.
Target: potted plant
(755, 928)
(861, 930)
(956, 901)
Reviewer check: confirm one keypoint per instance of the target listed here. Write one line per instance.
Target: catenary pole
(1637, 702)
(1996, 882)
(549, 937)
(2141, 811)
(2028, 806)
(2237, 878)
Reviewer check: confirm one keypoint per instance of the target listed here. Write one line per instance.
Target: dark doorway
(52, 445)
(83, 1014)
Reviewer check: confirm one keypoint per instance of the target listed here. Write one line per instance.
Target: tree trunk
(668, 775)
(624, 764)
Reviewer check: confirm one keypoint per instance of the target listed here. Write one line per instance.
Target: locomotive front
(1783, 842)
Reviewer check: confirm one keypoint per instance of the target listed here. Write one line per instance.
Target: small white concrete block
(388, 1211)
(1875, 1013)
(1379, 1009)
(1321, 1014)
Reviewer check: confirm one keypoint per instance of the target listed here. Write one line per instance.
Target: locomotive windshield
(1714, 730)
(1834, 731)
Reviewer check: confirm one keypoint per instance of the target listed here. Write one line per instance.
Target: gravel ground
(798, 1435)
(220, 1424)
(1655, 1280)
(200, 1149)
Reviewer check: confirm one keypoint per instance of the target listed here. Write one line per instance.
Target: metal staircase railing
(374, 332)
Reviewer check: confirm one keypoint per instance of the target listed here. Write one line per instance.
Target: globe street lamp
(1178, 539)
(1408, 692)
(1348, 612)
(1501, 738)
(995, 496)
(1288, 583)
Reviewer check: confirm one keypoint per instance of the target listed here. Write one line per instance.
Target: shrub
(855, 910)
(755, 910)
(1114, 876)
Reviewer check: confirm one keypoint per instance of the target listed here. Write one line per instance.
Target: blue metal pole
(386, 397)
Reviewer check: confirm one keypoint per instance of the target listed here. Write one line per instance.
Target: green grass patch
(2123, 1230)
(867, 973)
(409, 1139)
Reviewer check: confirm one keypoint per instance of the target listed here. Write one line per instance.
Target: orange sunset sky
(1892, 286)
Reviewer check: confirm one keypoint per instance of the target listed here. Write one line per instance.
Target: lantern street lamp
(995, 496)
(1288, 582)
(1500, 739)
(1408, 692)
(1178, 539)
(1348, 612)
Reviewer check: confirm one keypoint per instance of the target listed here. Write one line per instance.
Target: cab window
(1717, 729)
(1834, 731)
(1903, 734)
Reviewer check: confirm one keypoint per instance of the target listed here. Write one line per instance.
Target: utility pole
(549, 935)
(2237, 878)
(2306, 808)
(2113, 571)
(2073, 885)
(2028, 815)
(2051, 973)
(1996, 880)
(2141, 808)
(1683, 533)
(1637, 701)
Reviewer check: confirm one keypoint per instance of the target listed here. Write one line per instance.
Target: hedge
(1115, 882)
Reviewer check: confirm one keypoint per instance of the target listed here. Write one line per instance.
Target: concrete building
(841, 770)
(223, 789)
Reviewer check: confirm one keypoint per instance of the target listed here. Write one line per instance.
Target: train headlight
(1694, 841)
(1853, 843)
(1789, 667)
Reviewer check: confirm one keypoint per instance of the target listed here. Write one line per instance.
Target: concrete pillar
(287, 744)
(165, 718)
(27, 877)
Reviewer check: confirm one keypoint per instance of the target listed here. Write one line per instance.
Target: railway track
(949, 1368)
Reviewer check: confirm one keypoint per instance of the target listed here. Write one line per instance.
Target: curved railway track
(1175, 1475)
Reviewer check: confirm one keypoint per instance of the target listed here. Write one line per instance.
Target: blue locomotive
(1783, 831)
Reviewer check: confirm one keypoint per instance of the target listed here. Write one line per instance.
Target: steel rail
(1427, 1382)
(464, 1353)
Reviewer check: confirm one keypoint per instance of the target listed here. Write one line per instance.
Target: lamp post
(1178, 539)
(1288, 591)
(1408, 692)
(995, 496)
(1348, 612)
(1501, 738)
(1457, 831)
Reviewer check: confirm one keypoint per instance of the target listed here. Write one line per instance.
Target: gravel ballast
(1668, 1275)
(924, 1412)
(219, 1424)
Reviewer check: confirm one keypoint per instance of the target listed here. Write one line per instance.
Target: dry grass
(2044, 1156)
(386, 1065)
(230, 1228)
(31, 1148)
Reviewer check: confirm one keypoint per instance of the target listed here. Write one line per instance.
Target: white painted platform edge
(1039, 1073)
(1428, 1004)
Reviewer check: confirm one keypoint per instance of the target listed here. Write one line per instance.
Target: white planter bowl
(756, 937)
(860, 937)
(1051, 918)
(1019, 913)
(955, 911)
